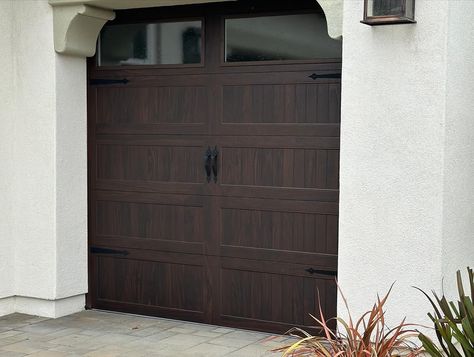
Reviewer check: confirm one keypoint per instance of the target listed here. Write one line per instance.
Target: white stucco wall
(71, 177)
(406, 156)
(6, 154)
(46, 150)
(458, 215)
(34, 224)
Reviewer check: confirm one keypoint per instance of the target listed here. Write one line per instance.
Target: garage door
(214, 164)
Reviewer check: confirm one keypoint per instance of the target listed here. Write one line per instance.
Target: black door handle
(215, 154)
(208, 163)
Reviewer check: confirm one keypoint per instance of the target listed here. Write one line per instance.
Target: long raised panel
(280, 230)
(280, 167)
(255, 294)
(152, 221)
(151, 283)
(152, 105)
(281, 104)
(181, 164)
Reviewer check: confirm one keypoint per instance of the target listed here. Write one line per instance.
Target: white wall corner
(47, 308)
(458, 208)
(7, 306)
(76, 28)
(333, 9)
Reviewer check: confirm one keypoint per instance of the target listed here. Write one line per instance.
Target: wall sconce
(389, 12)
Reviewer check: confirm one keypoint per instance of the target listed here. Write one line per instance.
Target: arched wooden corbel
(76, 28)
(333, 11)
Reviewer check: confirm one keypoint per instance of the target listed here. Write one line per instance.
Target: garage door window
(273, 38)
(151, 44)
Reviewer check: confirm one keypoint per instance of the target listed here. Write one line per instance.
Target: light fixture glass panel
(410, 9)
(386, 8)
(279, 38)
(150, 44)
(388, 12)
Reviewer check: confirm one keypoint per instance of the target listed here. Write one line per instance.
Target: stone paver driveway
(104, 334)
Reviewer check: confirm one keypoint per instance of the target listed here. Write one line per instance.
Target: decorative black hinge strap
(322, 272)
(104, 81)
(98, 250)
(315, 76)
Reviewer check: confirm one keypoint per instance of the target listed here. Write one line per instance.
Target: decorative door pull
(214, 154)
(208, 163)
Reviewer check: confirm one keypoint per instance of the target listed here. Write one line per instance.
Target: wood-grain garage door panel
(281, 103)
(136, 220)
(280, 230)
(150, 221)
(150, 163)
(280, 167)
(152, 105)
(152, 283)
(258, 293)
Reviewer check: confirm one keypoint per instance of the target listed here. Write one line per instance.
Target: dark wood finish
(235, 252)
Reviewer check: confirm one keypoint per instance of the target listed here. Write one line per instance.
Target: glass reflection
(150, 44)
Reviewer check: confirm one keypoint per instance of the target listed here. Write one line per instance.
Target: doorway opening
(213, 138)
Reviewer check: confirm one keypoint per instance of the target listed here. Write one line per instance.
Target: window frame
(165, 65)
(244, 15)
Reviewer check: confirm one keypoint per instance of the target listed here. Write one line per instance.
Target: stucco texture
(44, 165)
(406, 155)
(6, 151)
(458, 214)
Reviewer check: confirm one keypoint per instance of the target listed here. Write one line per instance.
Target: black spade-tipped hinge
(321, 272)
(99, 250)
(107, 81)
(315, 76)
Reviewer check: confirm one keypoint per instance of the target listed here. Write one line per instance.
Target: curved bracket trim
(333, 9)
(76, 28)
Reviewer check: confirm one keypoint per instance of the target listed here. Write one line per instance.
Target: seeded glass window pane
(287, 37)
(151, 44)
(386, 8)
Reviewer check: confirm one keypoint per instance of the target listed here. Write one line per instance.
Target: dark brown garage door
(214, 164)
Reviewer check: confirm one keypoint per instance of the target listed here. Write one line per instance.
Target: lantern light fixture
(389, 12)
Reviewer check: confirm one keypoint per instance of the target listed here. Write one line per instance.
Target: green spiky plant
(453, 322)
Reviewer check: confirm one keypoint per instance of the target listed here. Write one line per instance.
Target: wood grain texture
(150, 163)
(288, 231)
(148, 105)
(166, 285)
(277, 167)
(136, 220)
(281, 103)
(236, 251)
